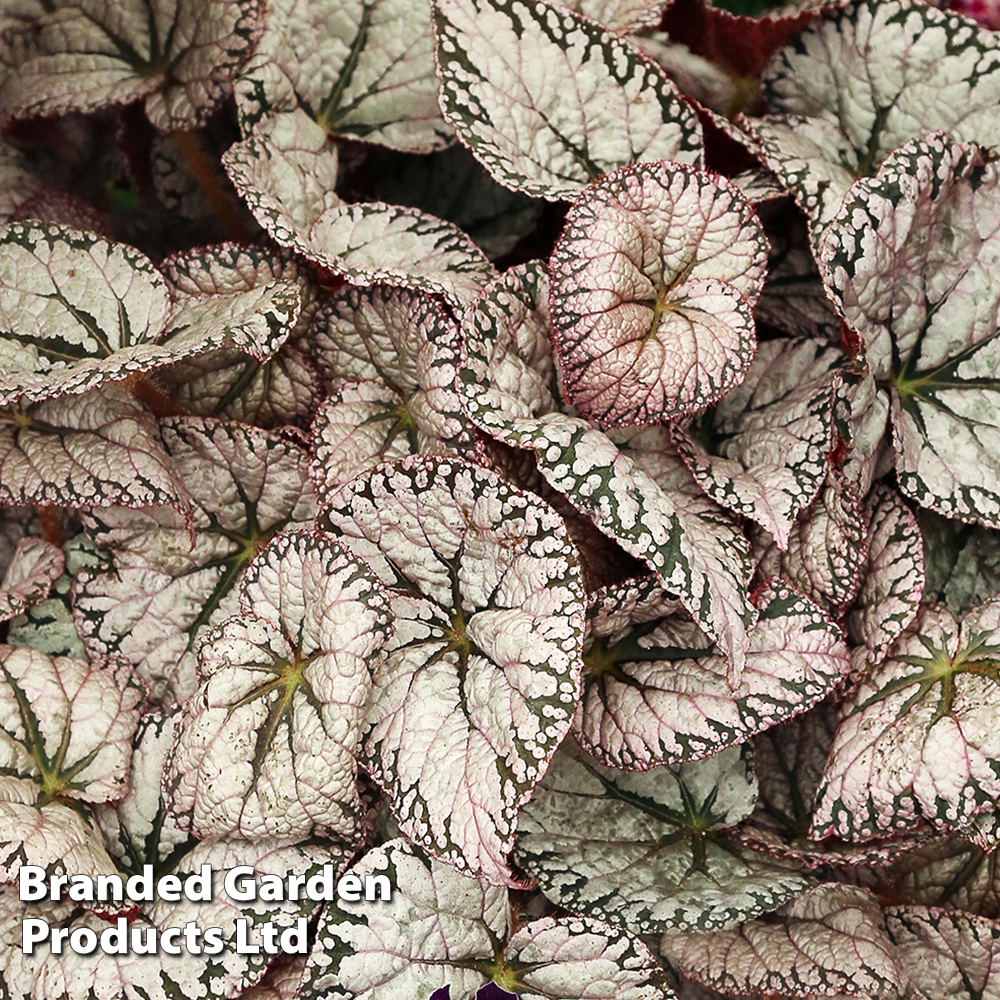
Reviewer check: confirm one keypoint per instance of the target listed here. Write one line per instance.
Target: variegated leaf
(77, 311)
(139, 828)
(649, 851)
(404, 949)
(948, 954)
(67, 724)
(33, 568)
(486, 592)
(619, 16)
(762, 452)
(655, 691)
(91, 449)
(654, 280)
(659, 516)
(171, 578)
(406, 348)
(862, 80)
(962, 562)
(180, 56)
(826, 547)
(925, 304)
(830, 941)
(548, 101)
(267, 746)
(360, 70)
(892, 579)
(48, 834)
(916, 737)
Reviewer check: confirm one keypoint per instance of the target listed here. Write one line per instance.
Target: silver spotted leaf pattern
(654, 280)
(548, 101)
(489, 605)
(33, 568)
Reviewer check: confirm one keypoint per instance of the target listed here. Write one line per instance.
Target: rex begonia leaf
(442, 930)
(67, 724)
(948, 954)
(962, 562)
(391, 358)
(892, 579)
(33, 568)
(77, 311)
(829, 941)
(767, 441)
(363, 70)
(179, 55)
(139, 829)
(367, 242)
(910, 265)
(656, 691)
(826, 547)
(161, 591)
(619, 16)
(268, 745)
(653, 285)
(860, 81)
(90, 449)
(649, 851)
(659, 516)
(917, 735)
(50, 835)
(548, 101)
(489, 606)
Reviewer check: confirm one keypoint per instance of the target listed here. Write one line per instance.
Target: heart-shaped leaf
(267, 746)
(33, 568)
(649, 851)
(654, 280)
(548, 101)
(486, 591)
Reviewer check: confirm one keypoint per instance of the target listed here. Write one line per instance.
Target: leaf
(767, 441)
(962, 562)
(77, 311)
(33, 568)
(926, 316)
(916, 737)
(67, 724)
(659, 516)
(139, 828)
(952, 952)
(92, 449)
(860, 81)
(597, 105)
(830, 940)
(391, 357)
(649, 851)
(403, 949)
(179, 56)
(619, 16)
(162, 591)
(486, 591)
(267, 746)
(656, 691)
(654, 280)
(360, 70)
(892, 579)
(50, 835)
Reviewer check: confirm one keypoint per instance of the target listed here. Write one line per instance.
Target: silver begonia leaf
(33, 568)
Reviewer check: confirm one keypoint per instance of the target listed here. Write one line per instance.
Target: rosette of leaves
(633, 487)
(268, 745)
(862, 80)
(178, 56)
(923, 301)
(403, 949)
(656, 690)
(390, 358)
(489, 607)
(548, 101)
(652, 851)
(651, 322)
(171, 577)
